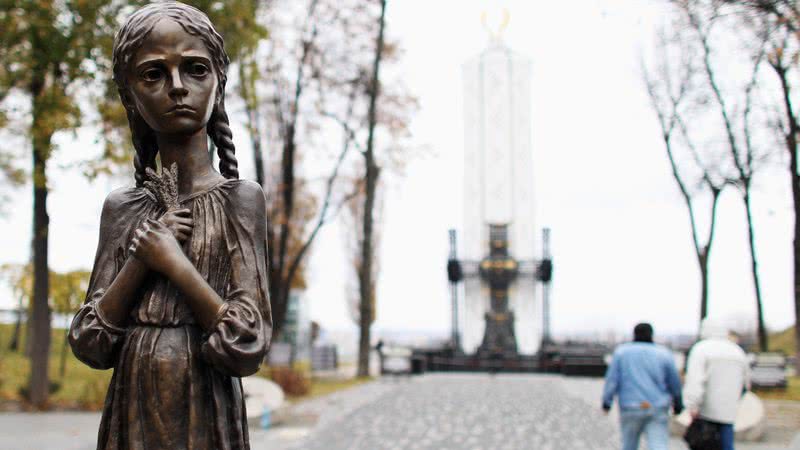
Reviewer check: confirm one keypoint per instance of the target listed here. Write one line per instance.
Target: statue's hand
(156, 247)
(179, 222)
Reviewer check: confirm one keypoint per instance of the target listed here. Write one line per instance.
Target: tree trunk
(286, 190)
(366, 306)
(371, 180)
(40, 316)
(703, 261)
(258, 158)
(62, 370)
(794, 178)
(253, 117)
(796, 242)
(763, 338)
(279, 308)
(39, 321)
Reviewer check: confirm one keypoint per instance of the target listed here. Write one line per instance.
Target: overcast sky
(620, 233)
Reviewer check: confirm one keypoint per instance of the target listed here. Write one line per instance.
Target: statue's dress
(176, 386)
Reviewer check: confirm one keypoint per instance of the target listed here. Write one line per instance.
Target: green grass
(85, 388)
(81, 387)
(783, 341)
(792, 392)
(324, 386)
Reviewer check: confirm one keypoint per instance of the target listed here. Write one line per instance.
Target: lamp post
(545, 274)
(454, 274)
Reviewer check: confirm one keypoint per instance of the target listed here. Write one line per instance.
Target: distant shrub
(24, 391)
(295, 383)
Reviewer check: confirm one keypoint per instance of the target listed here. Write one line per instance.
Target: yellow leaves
(53, 111)
(236, 21)
(47, 48)
(12, 173)
(19, 277)
(67, 289)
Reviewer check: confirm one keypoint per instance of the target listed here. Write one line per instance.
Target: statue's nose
(178, 89)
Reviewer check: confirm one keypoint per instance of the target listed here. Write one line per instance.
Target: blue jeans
(726, 436)
(653, 422)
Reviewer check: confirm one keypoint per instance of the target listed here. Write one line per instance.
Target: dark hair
(127, 42)
(643, 332)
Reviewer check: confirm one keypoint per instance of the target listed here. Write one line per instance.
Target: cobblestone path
(472, 411)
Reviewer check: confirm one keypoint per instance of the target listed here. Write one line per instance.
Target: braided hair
(128, 40)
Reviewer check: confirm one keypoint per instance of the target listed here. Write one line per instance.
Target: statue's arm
(119, 298)
(204, 302)
(98, 326)
(117, 301)
(239, 338)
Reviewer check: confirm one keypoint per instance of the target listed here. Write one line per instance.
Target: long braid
(144, 143)
(219, 130)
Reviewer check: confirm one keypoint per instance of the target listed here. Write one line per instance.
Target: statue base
(566, 359)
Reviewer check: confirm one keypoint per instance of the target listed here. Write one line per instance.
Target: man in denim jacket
(644, 378)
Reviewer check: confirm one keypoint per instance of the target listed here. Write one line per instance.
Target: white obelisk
(498, 185)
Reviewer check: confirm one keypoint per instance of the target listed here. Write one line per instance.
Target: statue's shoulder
(120, 199)
(246, 200)
(246, 188)
(246, 193)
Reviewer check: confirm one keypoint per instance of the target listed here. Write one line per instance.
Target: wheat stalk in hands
(164, 187)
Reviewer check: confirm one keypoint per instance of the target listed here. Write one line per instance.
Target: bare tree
(790, 127)
(377, 122)
(780, 21)
(371, 174)
(735, 108)
(319, 71)
(672, 89)
(290, 99)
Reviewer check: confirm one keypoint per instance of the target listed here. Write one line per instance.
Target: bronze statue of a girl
(177, 303)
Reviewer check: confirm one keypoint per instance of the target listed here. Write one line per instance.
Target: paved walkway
(435, 411)
(471, 412)
(464, 411)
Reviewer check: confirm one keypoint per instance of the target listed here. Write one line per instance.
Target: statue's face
(171, 80)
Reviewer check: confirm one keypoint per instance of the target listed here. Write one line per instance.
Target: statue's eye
(152, 74)
(198, 69)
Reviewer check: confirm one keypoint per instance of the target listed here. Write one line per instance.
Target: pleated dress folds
(175, 385)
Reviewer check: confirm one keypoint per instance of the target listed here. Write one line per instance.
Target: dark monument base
(565, 359)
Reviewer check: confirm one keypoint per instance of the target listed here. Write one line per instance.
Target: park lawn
(81, 387)
(325, 386)
(783, 341)
(792, 391)
(84, 388)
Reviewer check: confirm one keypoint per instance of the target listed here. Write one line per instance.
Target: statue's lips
(181, 109)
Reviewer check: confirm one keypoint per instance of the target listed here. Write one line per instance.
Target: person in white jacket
(717, 375)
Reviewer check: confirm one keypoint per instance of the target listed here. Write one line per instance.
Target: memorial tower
(499, 311)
